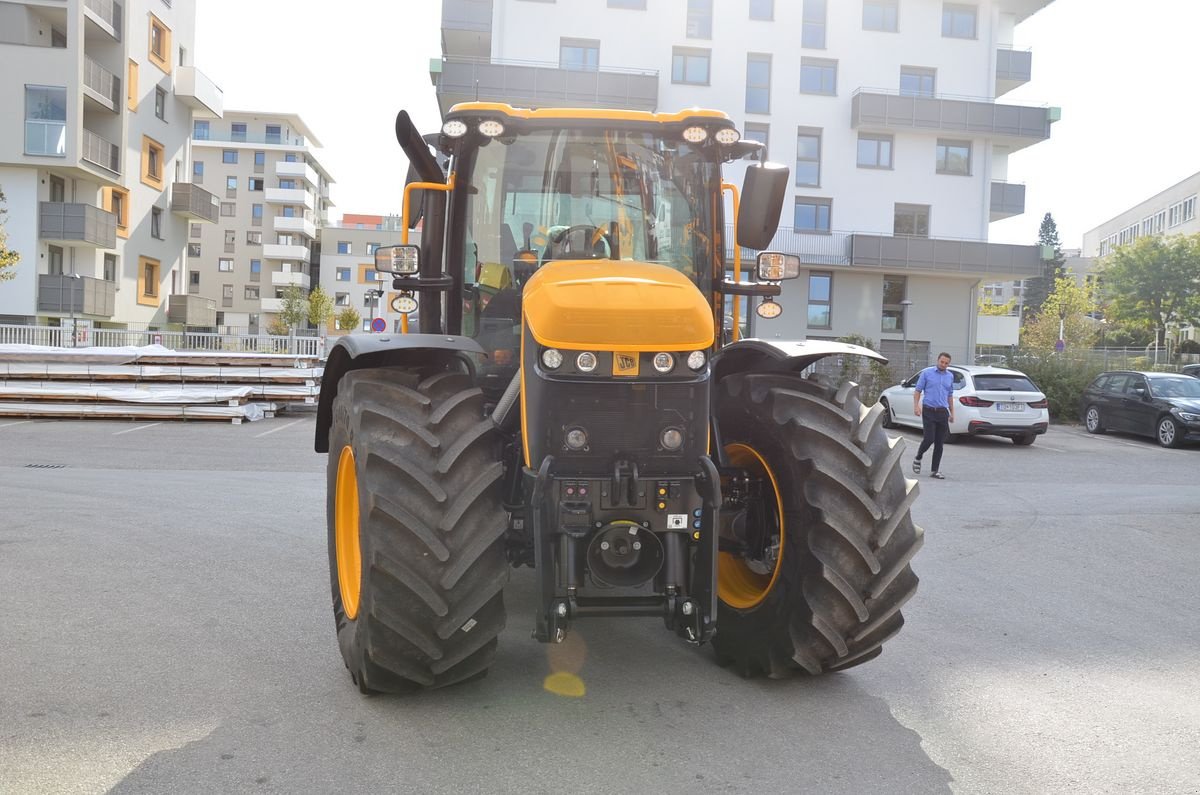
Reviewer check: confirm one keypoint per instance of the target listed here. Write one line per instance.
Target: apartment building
(887, 111)
(93, 157)
(273, 199)
(348, 268)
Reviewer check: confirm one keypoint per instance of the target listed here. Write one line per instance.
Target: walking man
(933, 402)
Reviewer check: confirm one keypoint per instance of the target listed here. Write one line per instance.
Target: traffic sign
(378, 324)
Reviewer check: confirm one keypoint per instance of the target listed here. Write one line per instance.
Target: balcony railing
(76, 224)
(192, 310)
(1008, 199)
(101, 152)
(472, 15)
(109, 12)
(83, 295)
(102, 85)
(194, 203)
(1021, 125)
(1013, 68)
(218, 136)
(199, 92)
(541, 84)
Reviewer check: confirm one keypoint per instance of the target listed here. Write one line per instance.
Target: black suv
(1163, 406)
(1192, 369)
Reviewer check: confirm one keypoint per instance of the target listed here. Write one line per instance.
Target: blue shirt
(935, 387)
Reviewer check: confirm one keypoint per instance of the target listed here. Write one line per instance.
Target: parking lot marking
(280, 428)
(1052, 449)
(139, 428)
(10, 424)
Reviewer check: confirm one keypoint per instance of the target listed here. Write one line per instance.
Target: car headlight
(552, 359)
(1188, 416)
(586, 361)
(664, 362)
(696, 360)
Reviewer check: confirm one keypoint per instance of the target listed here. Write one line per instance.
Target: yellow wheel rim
(345, 533)
(737, 584)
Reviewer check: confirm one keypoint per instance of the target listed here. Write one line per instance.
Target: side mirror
(763, 192)
(416, 208)
(775, 267)
(398, 260)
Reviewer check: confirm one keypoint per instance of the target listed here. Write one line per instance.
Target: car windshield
(1005, 383)
(1178, 387)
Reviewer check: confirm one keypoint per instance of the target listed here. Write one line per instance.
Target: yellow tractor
(573, 400)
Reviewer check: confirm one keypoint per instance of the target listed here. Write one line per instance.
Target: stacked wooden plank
(152, 382)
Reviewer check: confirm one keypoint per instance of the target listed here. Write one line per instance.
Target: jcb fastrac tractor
(573, 400)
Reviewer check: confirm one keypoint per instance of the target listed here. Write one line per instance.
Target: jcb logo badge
(625, 363)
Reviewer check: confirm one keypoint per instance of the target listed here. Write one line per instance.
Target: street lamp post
(74, 277)
(905, 303)
(374, 295)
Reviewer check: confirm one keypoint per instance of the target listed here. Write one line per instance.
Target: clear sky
(1123, 73)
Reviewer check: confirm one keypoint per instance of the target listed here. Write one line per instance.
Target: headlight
(695, 135)
(455, 128)
(491, 128)
(671, 439)
(1187, 416)
(727, 136)
(576, 439)
(552, 359)
(664, 362)
(696, 360)
(586, 361)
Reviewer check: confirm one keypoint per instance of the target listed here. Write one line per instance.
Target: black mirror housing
(761, 202)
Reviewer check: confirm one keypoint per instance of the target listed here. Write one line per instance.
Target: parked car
(1163, 406)
(988, 401)
(1191, 369)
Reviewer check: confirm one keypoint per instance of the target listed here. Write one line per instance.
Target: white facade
(91, 153)
(348, 269)
(1171, 212)
(825, 85)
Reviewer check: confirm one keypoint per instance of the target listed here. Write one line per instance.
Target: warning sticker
(676, 521)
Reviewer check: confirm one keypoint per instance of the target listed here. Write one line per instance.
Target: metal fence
(55, 336)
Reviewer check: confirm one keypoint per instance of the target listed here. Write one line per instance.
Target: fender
(781, 355)
(362, 351)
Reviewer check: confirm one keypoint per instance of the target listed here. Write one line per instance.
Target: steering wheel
(592, 235)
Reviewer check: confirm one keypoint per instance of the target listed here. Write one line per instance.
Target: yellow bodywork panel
(502, 109)
(616, 306)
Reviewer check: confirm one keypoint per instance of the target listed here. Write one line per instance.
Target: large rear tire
(841, 572)
(416, 528)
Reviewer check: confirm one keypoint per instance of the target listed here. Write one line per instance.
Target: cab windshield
(581, 194)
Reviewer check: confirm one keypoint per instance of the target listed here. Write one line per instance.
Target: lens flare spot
(565, 684)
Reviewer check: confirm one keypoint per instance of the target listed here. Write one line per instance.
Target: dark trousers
(936, 425)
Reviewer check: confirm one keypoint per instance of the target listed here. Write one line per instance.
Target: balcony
(285, 279)
(285, 251)
(106, 15)
(192, 310)
(101, 86)
(1017, 126)
(198, 92)
(972, 257)
(467, 28)
(76, 224)
(542, 85)
(302, 170)
(1008, 199)
(1013, 68)
(295, 196)
(300, 225)
(194, 203)
(84, 295)
(100, 152)
(272, 304)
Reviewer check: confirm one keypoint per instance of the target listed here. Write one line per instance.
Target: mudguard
(360, 351)
(785, 355)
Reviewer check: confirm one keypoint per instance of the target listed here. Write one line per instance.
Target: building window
(254, 238)
(818, 76)
(156, 222)
(812, 214)
(812, 34)
(54, 265)
(256, 214)
(958, 21)
(152, 162)
(820, 292)
(45, 121)
(699, 19)
(371, 248)
(193, 282)
(582, 55)
(288, 212)
(230, 187)
(638, 4)
(229, 156)
(110, 267)
(256, 266)
(911, 220)
(193, 250)
(880, 15)
(116, 201)
(1178, 213)
(225, 265)
(895, 289)
(690, 66)
(226, 295)
(160, 103)
(808, 157)
(237, 131)
(343, 247)
(193, 230)
(256, 183)
(287, 184)
(274, 134)
(343, 275)
(874, 151)
(198, 171)
(131, 85)
(201, 130)
(260, 158)
(148, 277)
(341, 299)
(228, 209)
(251, 292)
(160, 44)
(758, 132)
(1155, 224)
(758, 83)
(954, 157)
(762, 9)
(918, 81)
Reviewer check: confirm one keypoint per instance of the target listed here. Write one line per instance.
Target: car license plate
(1010, 406)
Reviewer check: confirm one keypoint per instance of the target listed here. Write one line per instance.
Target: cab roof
(503, 110)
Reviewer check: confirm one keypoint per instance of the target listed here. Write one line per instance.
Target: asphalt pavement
(166, 627)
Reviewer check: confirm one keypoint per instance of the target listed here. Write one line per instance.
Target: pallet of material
(55, 371)
(249, 412)
(152, 354)
(230, 396)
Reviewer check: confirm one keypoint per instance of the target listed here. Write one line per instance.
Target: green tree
(294, 309)
(1153, 282)
(986, 307)
(8, 257)
(1039, 288)
(320, 308)
(1069, 305)
(349, 319)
